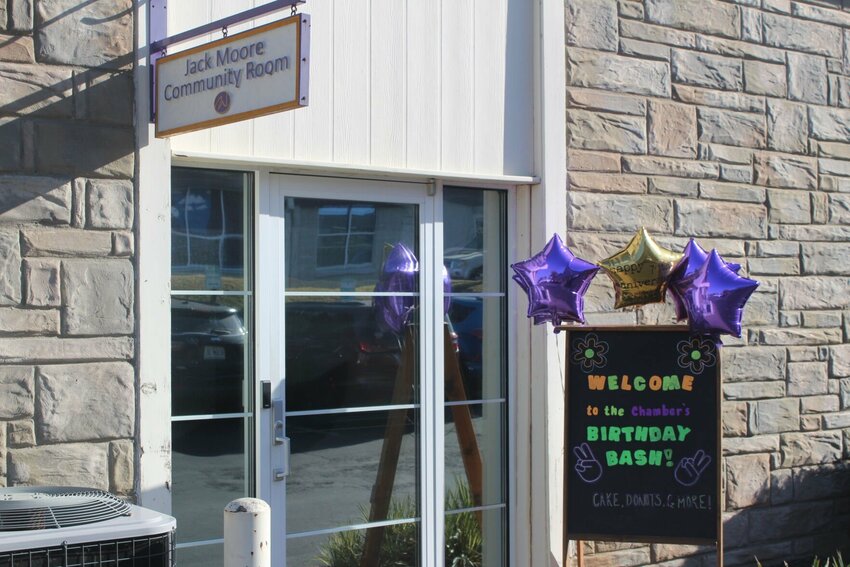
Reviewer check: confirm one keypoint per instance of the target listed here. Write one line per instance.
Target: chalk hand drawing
(587, 467)
(690, 469)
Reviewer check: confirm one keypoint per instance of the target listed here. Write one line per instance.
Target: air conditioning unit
(77, 527)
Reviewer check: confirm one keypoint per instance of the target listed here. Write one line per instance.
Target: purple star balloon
(694, 256)
(715, 297)
(400, 274)
(555, 280)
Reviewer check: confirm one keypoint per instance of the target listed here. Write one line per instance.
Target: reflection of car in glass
(466, 314)
(464, 263)
(207, 358)
(337, 356)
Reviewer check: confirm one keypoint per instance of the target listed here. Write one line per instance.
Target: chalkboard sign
(642, 436)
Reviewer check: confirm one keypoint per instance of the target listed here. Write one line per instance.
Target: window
(346, 235)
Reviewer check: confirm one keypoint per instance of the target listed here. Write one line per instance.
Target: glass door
(385, 439)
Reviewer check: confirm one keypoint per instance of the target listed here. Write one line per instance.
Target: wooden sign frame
(301, 69)
(720, 503)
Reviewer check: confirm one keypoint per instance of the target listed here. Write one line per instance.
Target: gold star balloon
(640, 271)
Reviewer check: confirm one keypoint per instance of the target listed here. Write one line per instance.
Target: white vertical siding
(420, 84)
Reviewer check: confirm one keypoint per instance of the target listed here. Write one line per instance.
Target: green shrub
(835, 561)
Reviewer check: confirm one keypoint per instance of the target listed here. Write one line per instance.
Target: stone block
(777, 170)
(673, 186)
(765, 79)
(747, 481)
(30, 321)
(107, 97)
(121, 458)
(670, 167)
(78, 209)
(814, 292)
(731, 191)
(45, 200)
(17, 391)
(122, 244)
(657, 34)
(66, 242)
(672, 129)
(109, 203)
(50, 349)
(580, 160)
(839, 420)
(811, 448)
(719, 99)
(673, 555)
(598, 131)
(96, 34)
(644, 49)
(21, 433)
(588, 211)
(797, 336)
(41, 283)
(592, 24)
(704, 16)
(740, 49)
(77, 464)
(816, 13)
(774, 416)
(630, 9)
(781, 486)
(751, 364)
(807, 78)
(837, 167)
(10, 266)
(734, 419)
(735, 528)
(839, 212)
(840, 360)
(787, 127)
(753, 390)
(829, 124)
(789, 206)
(85, 402)
(98, 297)
(802, 35)
(10, 143)
(731, 128)
(108, 151)
(38, 90)
(821, 319)
(704, 70)
(729, 220)
(826, 259)
(778, 522)
(773, 266)
(737, 174)
(616, 73)
(747, 445)
(624, 558)
(588, 99)
(751, 25)
(819, 404)
(20, 16)
(608, 183)
(811, 232)
(807, 378)
(725, 154)
(776, 248)
(816, 483)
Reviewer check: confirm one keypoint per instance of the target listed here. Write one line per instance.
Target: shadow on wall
(789, 515)
(66, 105)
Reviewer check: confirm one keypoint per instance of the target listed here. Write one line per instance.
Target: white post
(247, 533)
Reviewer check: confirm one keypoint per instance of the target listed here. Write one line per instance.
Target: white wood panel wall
(442, 85)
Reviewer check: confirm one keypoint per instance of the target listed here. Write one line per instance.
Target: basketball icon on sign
(222, 102)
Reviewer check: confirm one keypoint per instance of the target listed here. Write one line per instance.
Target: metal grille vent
(29, 508)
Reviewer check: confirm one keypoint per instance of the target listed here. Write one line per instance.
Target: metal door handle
(278, 438)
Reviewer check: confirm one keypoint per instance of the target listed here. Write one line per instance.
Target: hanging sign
(643, 436)
(261, 71)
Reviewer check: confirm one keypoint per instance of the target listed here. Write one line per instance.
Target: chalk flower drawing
(590, 352)
(697, 354)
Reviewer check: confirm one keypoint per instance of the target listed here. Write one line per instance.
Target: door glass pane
(208, 236)
(208, 356)
(475, 473)
(340, 355)
(334, 245)
(478, 345)
(208, 471)
(399, 547)
(201, 556)
(476, 538)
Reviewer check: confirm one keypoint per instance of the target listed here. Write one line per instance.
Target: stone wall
(67, 379)
(729, 121)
